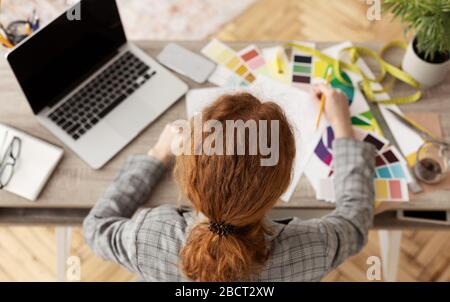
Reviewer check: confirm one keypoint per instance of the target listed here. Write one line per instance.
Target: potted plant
(427, 56)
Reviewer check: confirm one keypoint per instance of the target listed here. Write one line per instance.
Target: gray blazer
(149, 243)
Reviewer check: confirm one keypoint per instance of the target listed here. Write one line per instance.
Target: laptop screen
(64, 53)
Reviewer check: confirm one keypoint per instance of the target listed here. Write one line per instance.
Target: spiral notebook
(36, 162)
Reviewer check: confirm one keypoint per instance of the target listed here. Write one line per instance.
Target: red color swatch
(249, 55)
(396, 189)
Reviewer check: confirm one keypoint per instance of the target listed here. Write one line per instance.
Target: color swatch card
(379, 142)
(254, 59)
(320, 164)
(224, 77)
(389, 162)
(302, 67)
(278, 64)
(366, 122)
(391, 165)
(391, 190)
(224, 55)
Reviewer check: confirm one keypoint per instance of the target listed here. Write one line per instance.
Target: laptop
(88, 85)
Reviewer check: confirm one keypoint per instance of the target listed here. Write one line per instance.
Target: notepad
(35, 164)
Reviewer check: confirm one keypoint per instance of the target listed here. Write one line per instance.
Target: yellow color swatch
(225, 56)
(241, 70)
(213, 50)
(381, 189)
(319, 69)
(411, 159)
(233, 63)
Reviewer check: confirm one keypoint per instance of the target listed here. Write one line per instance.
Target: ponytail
(208, 256)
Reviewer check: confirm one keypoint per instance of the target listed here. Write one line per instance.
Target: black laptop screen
(64, 53)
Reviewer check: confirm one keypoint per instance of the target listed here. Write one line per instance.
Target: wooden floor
(316, 20)
(28, 253)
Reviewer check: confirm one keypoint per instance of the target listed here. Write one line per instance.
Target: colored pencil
(323, 99)
(5, 42)
(279, 61)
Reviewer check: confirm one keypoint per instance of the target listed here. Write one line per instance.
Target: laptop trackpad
(129, 118)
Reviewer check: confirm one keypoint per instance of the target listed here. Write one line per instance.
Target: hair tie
(221, 229)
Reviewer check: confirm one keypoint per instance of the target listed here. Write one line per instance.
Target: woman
(228, 237)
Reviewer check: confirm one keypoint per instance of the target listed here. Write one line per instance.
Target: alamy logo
(74, 14)
(73, 272)
(374, 270)
(238, 138)
(374, 10)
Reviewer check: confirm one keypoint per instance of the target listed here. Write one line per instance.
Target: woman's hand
(336, 109)
(162, 150)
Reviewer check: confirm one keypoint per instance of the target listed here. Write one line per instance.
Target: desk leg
(63, 244)
(390, 253)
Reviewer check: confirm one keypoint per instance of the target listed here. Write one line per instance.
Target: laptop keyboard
(100, 96)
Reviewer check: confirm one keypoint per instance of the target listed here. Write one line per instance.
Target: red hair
(236, 190)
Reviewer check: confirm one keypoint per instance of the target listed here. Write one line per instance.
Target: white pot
(428, 74)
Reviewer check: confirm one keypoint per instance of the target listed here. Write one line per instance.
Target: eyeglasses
(9, 161)
(17, 31)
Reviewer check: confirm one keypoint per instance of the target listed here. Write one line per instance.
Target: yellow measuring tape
(366, 83)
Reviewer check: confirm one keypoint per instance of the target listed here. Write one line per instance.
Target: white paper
(326, 190)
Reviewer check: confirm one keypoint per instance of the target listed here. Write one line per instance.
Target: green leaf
(429, 19)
